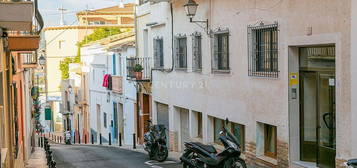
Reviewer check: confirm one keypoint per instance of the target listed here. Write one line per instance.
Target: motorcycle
(155, 142)
(198, 155)
(68, 138)
(351, 163)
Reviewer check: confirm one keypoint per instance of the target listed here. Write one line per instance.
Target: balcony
(117, 84)
(16, 16)
(145, 64)
(23, 42)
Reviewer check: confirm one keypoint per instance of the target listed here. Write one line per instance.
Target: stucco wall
(54, 55)
(248, 100)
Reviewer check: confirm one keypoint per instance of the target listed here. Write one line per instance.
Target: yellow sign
(294, 78)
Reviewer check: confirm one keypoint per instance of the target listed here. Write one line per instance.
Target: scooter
(351, 163)
(68, 138)
(155, 142)
(198, 155)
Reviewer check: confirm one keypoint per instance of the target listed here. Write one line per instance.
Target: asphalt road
(82, 156)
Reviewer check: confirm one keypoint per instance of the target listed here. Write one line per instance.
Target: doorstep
(304, 164)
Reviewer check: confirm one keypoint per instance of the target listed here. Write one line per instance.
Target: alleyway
(81, 156)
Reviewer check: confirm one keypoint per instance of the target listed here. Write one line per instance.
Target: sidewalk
(37, 159)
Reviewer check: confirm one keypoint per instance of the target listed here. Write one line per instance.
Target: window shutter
(155, 54)
(195, 52)
(215, 53)
(184, 54)
(225, 52)
(177, 60)
(161, 52)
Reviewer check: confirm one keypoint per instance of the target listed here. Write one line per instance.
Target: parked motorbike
(351, 163)
(198, 155)
(155, 142)
(68, 138)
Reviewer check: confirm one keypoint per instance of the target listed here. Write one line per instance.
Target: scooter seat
(352, 162)
(208, 148)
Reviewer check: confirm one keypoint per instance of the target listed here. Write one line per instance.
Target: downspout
(172, 47)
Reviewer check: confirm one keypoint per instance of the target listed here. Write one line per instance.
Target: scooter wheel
(239, 163)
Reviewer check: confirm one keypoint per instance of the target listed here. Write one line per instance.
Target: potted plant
(138, 71)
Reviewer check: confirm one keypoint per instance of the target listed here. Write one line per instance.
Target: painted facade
(260, 102)
(110, 110)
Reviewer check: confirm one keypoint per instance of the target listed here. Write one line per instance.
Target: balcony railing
(29, 58)
(144, 62)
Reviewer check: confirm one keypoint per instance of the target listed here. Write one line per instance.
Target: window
(237, 130)
(197, 53)
(181, 53)
(197, 124)
(263, 51)
(221, 52)
(114, 64)
(270, 141)
(158, 53)
(105, 119)
(60, 44)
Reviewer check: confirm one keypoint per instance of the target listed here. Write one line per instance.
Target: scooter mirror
(227, 121)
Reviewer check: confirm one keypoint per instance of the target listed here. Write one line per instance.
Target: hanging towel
(105, 80)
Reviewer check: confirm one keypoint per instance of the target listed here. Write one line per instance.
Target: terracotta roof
(88, 27)
(128, 8)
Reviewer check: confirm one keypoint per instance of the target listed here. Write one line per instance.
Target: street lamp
(42, 60)
(191, 9)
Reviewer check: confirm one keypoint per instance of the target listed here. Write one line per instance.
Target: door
(184, 129)
(121, 120)
(317, 118)
(326, 120)
(115, 121)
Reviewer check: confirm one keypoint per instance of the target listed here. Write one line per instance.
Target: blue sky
(51, 15)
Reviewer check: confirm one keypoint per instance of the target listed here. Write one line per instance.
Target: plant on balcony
(138, 69)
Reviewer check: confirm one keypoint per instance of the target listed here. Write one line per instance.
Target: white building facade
(282, 80)
(111, 111)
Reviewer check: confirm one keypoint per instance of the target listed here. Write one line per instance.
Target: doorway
(317, 106)
(115, 121)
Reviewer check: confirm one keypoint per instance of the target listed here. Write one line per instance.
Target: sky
(51, 15)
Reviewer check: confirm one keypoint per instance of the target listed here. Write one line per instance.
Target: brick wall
(282, 156)
(339, 163)
(173, 141)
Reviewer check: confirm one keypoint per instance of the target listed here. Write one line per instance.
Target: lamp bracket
(207, 29)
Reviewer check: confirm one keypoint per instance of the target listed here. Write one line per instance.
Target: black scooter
(155, 142)
(198, 155)
(351, 163)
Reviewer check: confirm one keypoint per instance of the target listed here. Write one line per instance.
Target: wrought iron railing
(144, 62)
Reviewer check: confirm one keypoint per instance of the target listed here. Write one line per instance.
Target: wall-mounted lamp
(42, 60)
(191, 9)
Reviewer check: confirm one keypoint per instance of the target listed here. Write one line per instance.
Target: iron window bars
(221, 51)
(197, 52)
(181, 52)
(158, 53)
(263, 50)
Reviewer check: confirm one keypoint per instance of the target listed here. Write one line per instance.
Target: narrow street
(82, 156)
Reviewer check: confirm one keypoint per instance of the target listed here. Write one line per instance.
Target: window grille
(159, 53)
(221, 51)
(263, 51)
(197, 53)
(181, 52)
